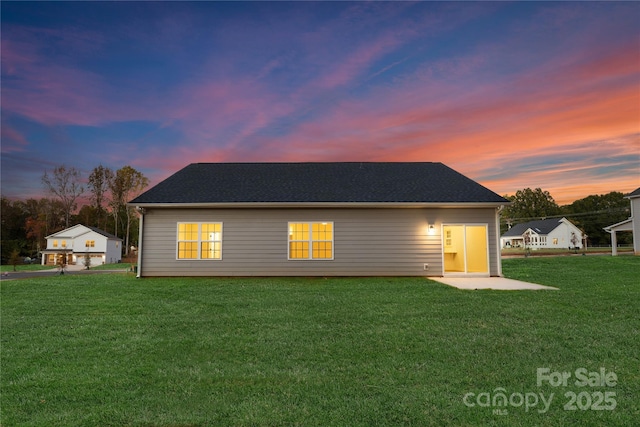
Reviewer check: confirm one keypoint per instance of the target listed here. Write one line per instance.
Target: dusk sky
(513, 95)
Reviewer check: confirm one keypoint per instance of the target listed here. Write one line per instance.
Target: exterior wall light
(432, 229)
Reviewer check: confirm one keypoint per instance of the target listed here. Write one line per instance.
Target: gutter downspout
(141, 211)
(498, 248)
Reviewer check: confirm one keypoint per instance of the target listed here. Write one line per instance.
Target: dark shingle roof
(543, 226)
(635, 193)
(317, 182)
(104, 233)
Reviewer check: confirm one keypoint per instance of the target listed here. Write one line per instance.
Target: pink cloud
(237, 109)
(16, 55)
(396, 124)
(593, 170)
(357, 63)
(12, 139)
(223, 112)
(506, 119)
(452, 110)
(51, 92)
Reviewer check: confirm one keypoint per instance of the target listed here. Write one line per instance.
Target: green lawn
(37, 267)
(118, 266)
(112, 350)
(559, 252)
(25, 267)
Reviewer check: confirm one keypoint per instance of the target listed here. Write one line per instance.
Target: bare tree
(99, 181)
(116, 202)
(15, 259)
(126, 184)
(64, 183)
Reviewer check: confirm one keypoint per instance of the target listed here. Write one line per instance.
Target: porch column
(614, 243)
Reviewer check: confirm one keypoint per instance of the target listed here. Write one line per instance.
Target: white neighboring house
(554, 233)
(632, 224)
(76, 241)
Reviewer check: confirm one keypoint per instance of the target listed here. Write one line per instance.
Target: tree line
(591, 214)
(25, 224)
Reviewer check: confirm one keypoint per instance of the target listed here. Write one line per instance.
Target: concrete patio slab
(495, 283)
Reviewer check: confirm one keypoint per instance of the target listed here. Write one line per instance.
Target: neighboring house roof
(213, 183)
(104, 233)
(79, 230)
(626, 225)
(541, 227)
(635, 193)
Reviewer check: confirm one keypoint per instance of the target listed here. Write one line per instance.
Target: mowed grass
(38, 267)
(112, 350)
(25, 267)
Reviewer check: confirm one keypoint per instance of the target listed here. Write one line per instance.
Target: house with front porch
(631, 224)
(76, 242)
(552, 233)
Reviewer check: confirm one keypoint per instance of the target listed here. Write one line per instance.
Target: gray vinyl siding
(635, 223)
(367, 242)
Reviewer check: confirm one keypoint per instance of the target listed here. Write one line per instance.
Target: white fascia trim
(611, 227)
(319, 205)
(62, 233)
(59, 235)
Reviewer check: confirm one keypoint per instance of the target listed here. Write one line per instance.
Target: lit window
(200, 240)
(90, 243)
(64, 243)
(555, 240)
(310, 240)
(55, 243)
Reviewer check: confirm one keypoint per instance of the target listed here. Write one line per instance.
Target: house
(75, 242)
(318, 219)
(553, 233)
(632, 224)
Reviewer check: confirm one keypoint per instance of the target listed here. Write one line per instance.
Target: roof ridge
(306, 163)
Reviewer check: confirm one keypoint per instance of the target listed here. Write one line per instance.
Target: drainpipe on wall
(498, 248)
(141, 211)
